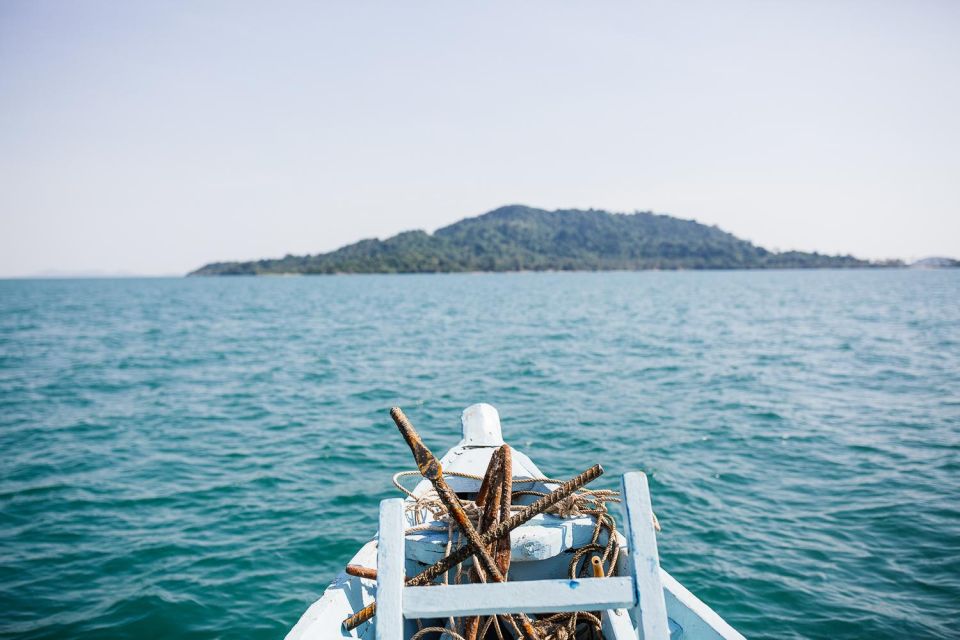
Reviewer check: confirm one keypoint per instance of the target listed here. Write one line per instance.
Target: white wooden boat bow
(644, 602)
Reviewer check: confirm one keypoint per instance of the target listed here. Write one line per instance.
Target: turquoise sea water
(199, 457)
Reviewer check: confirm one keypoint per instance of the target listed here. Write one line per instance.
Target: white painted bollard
(390, 570)
(480, 424)
(651, 611)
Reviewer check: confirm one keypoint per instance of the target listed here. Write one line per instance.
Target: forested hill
(517, 238)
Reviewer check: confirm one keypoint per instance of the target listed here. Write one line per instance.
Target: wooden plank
(617, 625)
(533, 596)
(544, 536)
(651, 612)
(696, 618)
(390, 570)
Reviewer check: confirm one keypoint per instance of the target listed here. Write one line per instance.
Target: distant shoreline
(473, 273)
(872, 267)
(518, 238)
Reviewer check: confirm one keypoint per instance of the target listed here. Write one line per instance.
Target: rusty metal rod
(493, 468)
(502, 545)
(488, 499)
(562, 492)
(443, 565)
(431, 470)
(361, 572)
(492, 499)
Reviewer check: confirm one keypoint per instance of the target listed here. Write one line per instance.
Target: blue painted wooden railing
(642, 590)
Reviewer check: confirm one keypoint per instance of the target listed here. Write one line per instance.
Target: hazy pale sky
(151, 138)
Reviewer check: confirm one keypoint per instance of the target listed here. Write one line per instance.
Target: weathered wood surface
(345, 594)
(699, 621)
(617, 625)
(540, 596)
(644, 560)
(390, 570)
(544, 536)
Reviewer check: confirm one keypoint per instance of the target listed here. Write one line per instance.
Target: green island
(520, 238)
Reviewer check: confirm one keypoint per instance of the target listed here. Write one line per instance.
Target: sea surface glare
(198, 458)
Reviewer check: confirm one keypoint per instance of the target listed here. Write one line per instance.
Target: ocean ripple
(199, 457)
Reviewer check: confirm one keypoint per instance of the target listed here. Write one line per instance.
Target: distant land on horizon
(521, 238)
